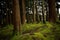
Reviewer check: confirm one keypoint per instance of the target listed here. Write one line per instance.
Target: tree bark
(16, 16)
(37, 15)
(7, 17)
(23, 12)
(43, 11)
(52, 11)
(34, 11)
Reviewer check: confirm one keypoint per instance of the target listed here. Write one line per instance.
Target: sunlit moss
(28, 27)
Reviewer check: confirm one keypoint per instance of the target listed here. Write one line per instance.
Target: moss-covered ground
(39, 31)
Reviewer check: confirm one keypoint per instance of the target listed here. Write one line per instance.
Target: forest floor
(38, 31)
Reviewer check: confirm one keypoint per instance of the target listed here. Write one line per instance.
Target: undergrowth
(40, 31)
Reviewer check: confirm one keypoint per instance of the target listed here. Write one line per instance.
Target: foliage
(22, 37)
(40, 31)
(28, 27)
(46, 31)
(6, 31)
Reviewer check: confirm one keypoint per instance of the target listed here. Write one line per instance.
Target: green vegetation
(40, 31)
(6, 32)
(28, 27)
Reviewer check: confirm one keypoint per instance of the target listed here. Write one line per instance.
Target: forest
(29, 19)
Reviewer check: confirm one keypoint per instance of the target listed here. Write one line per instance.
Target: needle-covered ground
(40, 31)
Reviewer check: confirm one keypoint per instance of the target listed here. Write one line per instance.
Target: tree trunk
(52, 11)
(16, 16)
(57, 12)
(37, 15)
(43, 11)
(47, 10)
(34, 11)
(7, 21)
(23, 12)
(47, 13)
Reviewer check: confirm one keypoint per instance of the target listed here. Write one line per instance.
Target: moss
(28, 27)
(22, 37)
(6, 32)
(48, 31)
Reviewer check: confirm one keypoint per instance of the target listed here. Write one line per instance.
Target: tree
(57, 7)
(43, 11)
(47, 10)
(6, 10)
(23, 16)
(52, 11)
(16, 16)
(34, 11)
(37, 15)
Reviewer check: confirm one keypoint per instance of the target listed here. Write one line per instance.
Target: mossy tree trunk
(16, 16)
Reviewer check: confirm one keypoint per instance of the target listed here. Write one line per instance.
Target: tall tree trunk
(43, 11)
(23, 12)
(16, 16)
(37, 15)
(57, 12)
(47, 13)
(7, 21)
(52, 11)
(34, 11)
(47, 10)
